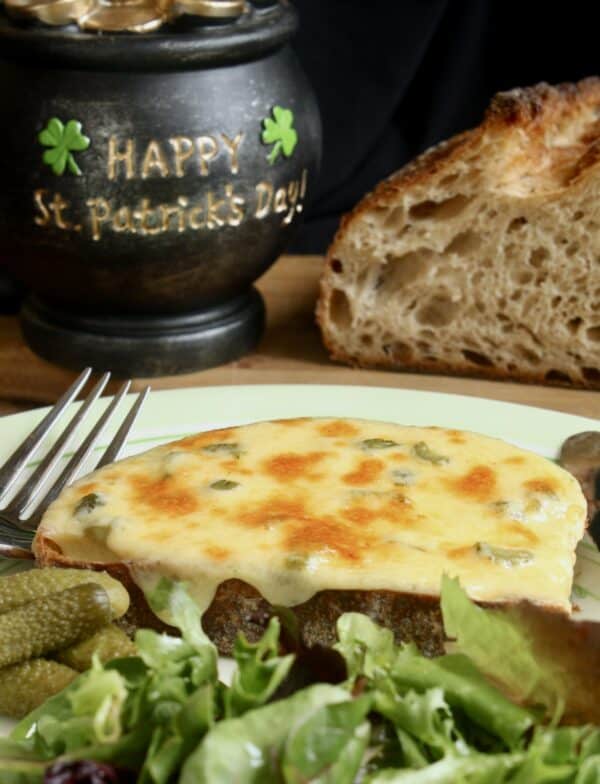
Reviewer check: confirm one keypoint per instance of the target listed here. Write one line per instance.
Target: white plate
(171, 414)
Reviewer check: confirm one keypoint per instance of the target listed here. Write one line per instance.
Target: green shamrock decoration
(280, 132)
(63, 140)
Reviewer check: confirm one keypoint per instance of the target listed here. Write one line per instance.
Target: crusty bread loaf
(482, 256)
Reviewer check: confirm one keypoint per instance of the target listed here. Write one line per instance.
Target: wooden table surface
(290, 352)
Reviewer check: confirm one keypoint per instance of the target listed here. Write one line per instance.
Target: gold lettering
(38, 198)
(167, 211)
(293, 191)
(213, 219)
(143, 215)
(211, 210)
(58, 205)
(99, 214)
(183, 147)
(195, 218)
(207, 150)
(117, 156)
(264, 192)
(236, 213)
(233, 147)
(122, 221)
(154, 159)
(280, 200)
(183, 202)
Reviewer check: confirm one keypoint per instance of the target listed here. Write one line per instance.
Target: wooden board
(290, 352)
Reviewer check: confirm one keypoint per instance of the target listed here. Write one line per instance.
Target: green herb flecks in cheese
(293, 507)
(424, 452)
(224, 484)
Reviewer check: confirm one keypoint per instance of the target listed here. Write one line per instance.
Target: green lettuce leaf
(249, 748)
(15, 771)
(474, 769)
(328, 746)
(58, 707)
(589, 740)
(20, 764)
(172, 600)
(180, 694)
(174, 741)
(101, 695)
(367, 648)
(501, 649)
(76, 721)
(425, 718)
(464, 688)
(589, 772)
(369, 652)
(260, 671)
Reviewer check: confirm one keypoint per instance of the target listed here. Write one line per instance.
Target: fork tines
(11, 470)
(30, 494)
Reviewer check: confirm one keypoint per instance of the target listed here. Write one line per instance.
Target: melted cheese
(293, 507)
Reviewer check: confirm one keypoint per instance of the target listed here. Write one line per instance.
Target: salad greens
(397, 717)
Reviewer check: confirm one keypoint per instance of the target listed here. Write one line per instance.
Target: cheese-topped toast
(309, 513)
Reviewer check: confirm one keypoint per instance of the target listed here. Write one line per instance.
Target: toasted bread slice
(325, 515)
(482, 257)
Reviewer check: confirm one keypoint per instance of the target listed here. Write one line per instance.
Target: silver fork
(16, 528)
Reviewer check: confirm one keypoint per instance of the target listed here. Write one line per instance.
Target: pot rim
(255, 33)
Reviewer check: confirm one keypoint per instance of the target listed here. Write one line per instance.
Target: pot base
(143, 346)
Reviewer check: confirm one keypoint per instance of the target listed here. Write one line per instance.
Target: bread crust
(531, 111)
(527, 108)
(445, 368)
(239, 607)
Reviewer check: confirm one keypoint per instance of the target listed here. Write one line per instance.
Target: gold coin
(134, 17)
(165, 6)
(18, 8)
(216, 9)
(52, 12)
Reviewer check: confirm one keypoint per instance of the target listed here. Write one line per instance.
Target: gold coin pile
(134, 16)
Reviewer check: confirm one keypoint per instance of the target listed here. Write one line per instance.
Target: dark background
(393, 77)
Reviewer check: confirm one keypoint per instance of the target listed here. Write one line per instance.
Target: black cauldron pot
(149, 179)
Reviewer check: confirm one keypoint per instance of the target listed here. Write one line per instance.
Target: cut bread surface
(297, 508)
(483, 255)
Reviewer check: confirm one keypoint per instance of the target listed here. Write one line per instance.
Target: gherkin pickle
(52, 622)
(27, 685)
(107, 643)
(19, 589)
